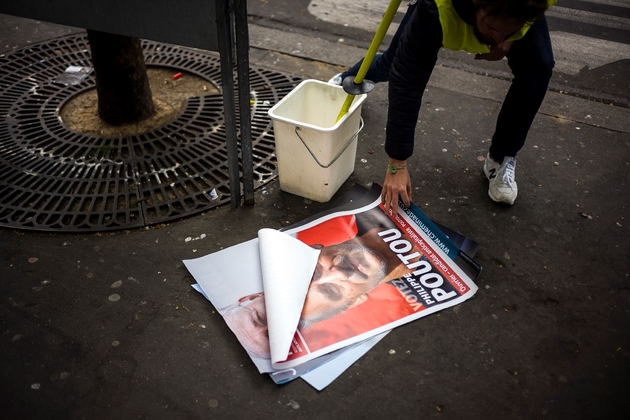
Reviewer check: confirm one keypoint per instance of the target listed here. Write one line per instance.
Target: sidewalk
(546, 336)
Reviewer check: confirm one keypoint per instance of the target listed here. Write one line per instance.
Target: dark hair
(522, 10)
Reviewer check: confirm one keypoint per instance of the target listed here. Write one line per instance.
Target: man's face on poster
(343, 275)
(248, 320)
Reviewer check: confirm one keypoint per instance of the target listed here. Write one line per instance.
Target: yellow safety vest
(458, 35)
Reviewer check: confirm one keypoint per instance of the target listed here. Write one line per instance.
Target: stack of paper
(310, 300)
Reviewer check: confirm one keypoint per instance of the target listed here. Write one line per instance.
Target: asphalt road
(542, 339)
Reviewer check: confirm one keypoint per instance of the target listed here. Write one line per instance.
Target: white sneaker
(336, 80)
(503, 187)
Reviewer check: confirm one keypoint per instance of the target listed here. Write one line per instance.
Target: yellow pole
(367, 61)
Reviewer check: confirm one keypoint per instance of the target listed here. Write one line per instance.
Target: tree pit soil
(80, 113)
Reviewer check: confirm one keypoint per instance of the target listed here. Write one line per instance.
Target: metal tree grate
(53, 178)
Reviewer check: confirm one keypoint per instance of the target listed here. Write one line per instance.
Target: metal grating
(55, 179)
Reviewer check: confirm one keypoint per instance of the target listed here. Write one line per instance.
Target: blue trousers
(531, 61)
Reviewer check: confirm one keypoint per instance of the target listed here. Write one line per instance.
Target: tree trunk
(122, 84)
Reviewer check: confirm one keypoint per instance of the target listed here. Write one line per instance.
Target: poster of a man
(344, 275)
(361, 250)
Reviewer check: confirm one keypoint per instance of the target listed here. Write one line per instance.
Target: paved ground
(546, 336)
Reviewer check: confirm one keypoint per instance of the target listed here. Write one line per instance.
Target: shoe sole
(500, 201)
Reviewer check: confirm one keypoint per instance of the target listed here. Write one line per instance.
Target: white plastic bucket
(315, 154)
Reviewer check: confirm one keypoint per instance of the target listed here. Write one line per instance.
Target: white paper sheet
(287, 268)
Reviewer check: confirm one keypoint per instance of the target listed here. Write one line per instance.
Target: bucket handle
(339, 154)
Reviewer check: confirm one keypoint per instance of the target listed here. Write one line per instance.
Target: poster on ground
(353, 273)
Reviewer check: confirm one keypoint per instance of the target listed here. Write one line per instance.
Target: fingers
(393, 204)
(389, 199)
(395, 185)
(406, 198)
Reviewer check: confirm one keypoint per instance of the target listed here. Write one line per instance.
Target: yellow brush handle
(367, 61)
(345, 107)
